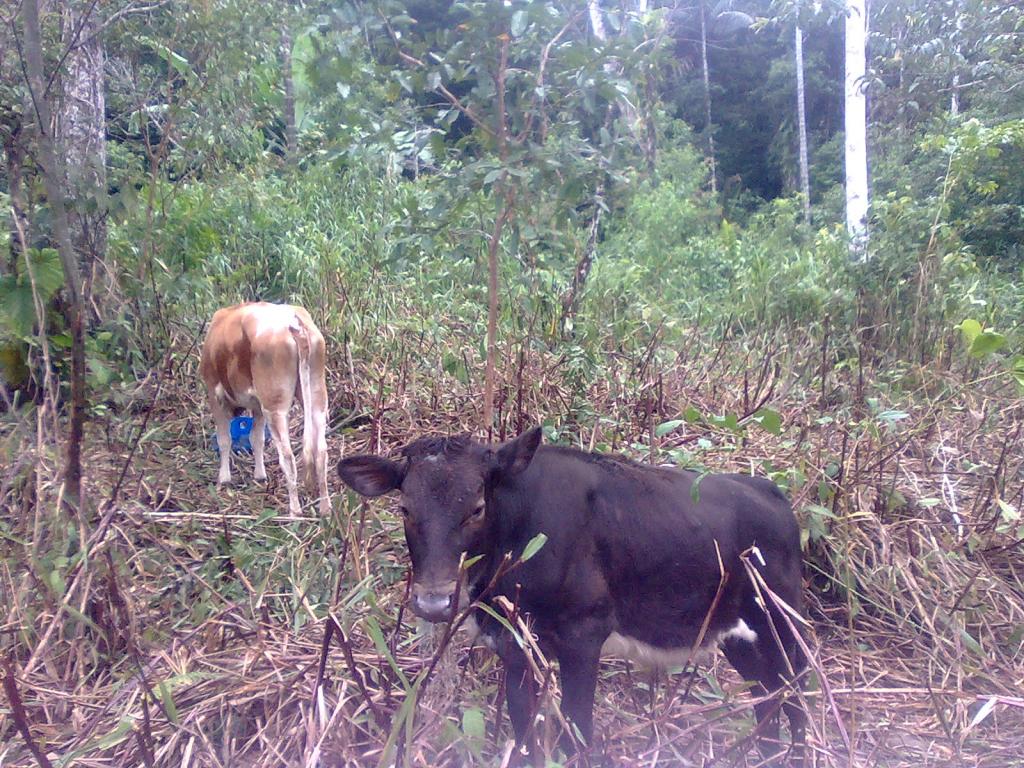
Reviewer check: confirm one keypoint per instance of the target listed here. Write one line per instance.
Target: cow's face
(444, 486)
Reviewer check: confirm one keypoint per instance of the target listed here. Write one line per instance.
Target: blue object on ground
(240, 428)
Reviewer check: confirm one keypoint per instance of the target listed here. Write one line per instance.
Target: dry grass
(188, 629)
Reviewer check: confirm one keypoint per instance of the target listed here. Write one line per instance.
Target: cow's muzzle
(434, 602)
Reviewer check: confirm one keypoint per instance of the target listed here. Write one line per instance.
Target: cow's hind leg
(760, 660)
(222, 418)
(313, 394)
(314, 446)
(278, 421)
(258, 439)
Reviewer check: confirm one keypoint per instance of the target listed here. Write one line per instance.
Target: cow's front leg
(520, 688)
(577, 644)
(578, 671)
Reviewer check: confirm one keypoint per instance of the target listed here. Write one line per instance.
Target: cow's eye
(477, 514)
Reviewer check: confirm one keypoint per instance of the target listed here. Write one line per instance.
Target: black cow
(630, 565)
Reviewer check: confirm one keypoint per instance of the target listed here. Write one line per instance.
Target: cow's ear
(370, 475)
(515, 455)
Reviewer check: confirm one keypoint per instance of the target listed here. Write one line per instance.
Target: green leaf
(116, 736)
(695, 488)
(1017, 370)
(473, 724)
(769, 420)
(17, 308)
(405, 712)
(691, 414)
(987, 342)
(970, 329)
(267, 514)
(175, 60)
(100, 373)
(971, 643)
(504, 623)
(167, 700)
(47, 271)
(729, 421)
(1009, 512)
(374, 631)
(892, 416)
(533, 546)
(470, 562)
(667, 426)
(56, 582)
(17, 304)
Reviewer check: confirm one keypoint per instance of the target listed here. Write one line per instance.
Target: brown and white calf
(258, 356)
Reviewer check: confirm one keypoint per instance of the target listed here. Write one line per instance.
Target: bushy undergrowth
(756, 347)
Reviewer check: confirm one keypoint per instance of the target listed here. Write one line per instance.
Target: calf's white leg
(279, 432)
(320, 452)
(222, 418)
(257, 439)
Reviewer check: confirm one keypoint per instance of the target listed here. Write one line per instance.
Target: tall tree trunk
(958, 22)
(53, 180)
(856, 130)
(506, 195)
(707, 97)
(596, 21)
(291, 133)
(82, 138)
(801, 117)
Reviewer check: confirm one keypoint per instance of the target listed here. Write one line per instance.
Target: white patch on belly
(741, 632)
(648, 655)
(627, 647)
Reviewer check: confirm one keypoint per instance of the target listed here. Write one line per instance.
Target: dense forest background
(589, 215)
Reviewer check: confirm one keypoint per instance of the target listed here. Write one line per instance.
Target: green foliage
(981, 342)
(381, 228)
(39, 279)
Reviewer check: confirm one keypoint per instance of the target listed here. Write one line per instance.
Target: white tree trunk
(958, 22)
(801, 115)
(856, 129)
(707, 97)
(54, 177)
(596, 20)
(82, 138)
